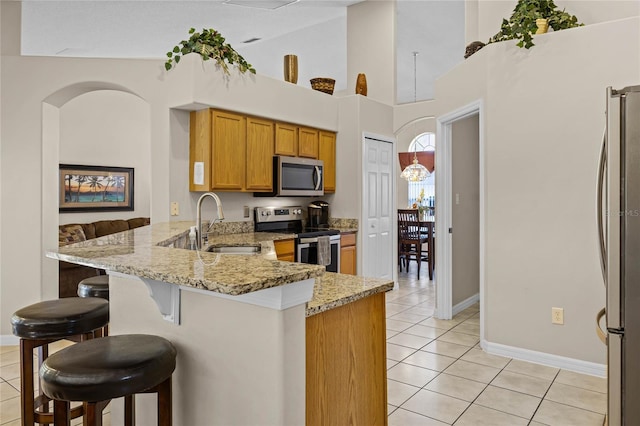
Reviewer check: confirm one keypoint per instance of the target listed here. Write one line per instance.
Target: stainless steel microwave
(296, 177)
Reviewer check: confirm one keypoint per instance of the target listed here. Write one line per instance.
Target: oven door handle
(312, 240)
(304, 242)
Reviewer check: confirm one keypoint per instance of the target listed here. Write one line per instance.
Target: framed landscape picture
(95, 188)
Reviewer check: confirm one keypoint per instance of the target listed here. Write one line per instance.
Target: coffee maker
(318, 215)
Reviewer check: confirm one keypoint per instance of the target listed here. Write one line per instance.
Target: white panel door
(378, 251)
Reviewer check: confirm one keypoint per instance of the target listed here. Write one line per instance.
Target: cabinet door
(260, 136)
(286, 140)
(307, 142)
(285, 250)
(327, 153)
(200, 150)
(348, 254)
(228, 145)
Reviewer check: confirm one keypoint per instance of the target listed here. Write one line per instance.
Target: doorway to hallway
(450, 206)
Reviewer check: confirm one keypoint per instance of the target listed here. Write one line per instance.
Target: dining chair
(410, 239)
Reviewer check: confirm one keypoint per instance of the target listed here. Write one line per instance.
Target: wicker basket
(323, 84)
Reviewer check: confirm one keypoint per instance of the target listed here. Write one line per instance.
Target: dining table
(427, 225)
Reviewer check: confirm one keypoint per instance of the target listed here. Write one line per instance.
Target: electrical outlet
(175, 209)
(246, 211)
(557, 316)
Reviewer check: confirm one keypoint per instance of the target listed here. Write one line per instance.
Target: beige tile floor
(437, 374)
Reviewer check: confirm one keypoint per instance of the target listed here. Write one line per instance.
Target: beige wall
(10, 24)
(465, 189)
(542, 132)
(371, 48)
(108, 128)
(483, 17)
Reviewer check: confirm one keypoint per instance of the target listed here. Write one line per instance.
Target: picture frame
(95, 188)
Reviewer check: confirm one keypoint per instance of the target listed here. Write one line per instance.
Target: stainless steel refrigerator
(619, 228)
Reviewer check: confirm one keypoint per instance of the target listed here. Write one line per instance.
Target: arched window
(423, 142)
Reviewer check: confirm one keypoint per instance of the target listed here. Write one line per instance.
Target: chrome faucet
(199, 237)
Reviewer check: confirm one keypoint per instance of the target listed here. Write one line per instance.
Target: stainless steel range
(289, 220)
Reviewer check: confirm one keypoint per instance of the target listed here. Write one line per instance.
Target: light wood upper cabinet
(260, 146)
(200, 150)
(228, 151)
(286, 140)
(327, 153)
(308, 142)
(234, 152)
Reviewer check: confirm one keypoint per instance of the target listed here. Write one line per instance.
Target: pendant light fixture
(415, 172)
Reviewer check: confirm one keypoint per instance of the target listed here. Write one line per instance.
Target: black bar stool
(97, 286)
(46, 322)
(99, 370)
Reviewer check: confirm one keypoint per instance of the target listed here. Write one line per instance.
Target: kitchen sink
(234, 249)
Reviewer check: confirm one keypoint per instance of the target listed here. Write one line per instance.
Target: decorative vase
(361, 85)
(291, 68)
(543, 25)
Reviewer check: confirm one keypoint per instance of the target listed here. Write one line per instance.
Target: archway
(52, 108)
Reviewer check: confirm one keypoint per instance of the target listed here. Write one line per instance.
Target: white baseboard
(557, 361)
(465, 304)
(9, 340)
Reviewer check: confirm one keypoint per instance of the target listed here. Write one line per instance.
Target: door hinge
(451, 230)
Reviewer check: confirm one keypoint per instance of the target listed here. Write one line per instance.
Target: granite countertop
(333, 290)
(154, 252)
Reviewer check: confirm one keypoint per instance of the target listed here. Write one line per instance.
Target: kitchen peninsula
(259, 341)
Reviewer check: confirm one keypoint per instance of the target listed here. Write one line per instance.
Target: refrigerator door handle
(602, 335)
(602, 165)
(614, 291)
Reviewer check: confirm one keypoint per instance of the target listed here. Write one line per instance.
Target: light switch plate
(246, 211)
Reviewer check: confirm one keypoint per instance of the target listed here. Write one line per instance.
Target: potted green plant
(522, 23)
(210, 45)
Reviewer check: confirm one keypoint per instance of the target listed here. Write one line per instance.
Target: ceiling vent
(261, 4)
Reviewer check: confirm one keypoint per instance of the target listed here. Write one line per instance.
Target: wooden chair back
(408, 224)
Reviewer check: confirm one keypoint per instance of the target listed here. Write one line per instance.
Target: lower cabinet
(346, 373)
(348, 254)
(285, 250)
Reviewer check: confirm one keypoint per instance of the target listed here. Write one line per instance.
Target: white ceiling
(313, 29)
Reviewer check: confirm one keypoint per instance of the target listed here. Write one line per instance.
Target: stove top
(286, 220)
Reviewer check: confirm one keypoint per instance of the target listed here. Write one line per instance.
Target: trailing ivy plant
(210, 45)
(522, 23)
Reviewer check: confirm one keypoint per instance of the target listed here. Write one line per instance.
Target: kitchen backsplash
(222, 228)
(343, 223)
